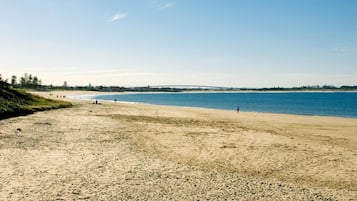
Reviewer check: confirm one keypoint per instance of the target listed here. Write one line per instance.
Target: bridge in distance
(192, 87)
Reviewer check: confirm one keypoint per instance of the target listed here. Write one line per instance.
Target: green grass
(16, 102)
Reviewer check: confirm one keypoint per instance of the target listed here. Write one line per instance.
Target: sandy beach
(118, 151)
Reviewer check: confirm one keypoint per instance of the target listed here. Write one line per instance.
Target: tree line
(28, 81)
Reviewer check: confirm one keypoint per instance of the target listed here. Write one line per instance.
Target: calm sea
(341, 104)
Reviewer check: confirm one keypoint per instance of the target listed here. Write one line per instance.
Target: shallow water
(341, 104)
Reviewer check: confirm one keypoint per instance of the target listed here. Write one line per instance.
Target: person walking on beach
(238, 109)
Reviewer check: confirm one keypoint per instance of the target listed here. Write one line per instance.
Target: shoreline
(89, 94)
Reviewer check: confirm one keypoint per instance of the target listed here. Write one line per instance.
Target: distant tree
(22, 82)
(328, 87)
(2, 79)
(29, 81)
(3, 83)
(13, 80)
(35, 81)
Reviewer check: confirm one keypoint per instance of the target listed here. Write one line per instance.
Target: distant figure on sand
(96, 101)
(237, 109)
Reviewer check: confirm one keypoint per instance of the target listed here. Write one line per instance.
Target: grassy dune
(16, 102)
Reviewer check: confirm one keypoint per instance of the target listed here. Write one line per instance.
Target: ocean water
(341, 104)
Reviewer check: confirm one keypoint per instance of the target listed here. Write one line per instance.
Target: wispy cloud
(166, 5)
(163, 5)
(344, 49)
(118, 16)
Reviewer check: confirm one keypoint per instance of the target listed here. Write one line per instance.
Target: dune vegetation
(17, 102)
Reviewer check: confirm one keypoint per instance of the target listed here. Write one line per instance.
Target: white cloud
(118, 16)
(165, 5)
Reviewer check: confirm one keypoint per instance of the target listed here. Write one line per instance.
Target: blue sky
(239, 43)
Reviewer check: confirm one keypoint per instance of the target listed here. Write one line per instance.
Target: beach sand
(117, 151)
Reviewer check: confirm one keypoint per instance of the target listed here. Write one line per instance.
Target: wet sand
(116, 151)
